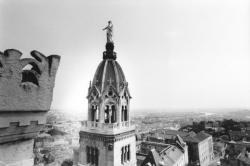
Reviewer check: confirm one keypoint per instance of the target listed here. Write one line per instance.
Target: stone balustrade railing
(105, 126)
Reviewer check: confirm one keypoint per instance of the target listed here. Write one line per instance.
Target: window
(88, 154)
(125, 154)
(124, 113)
(94, 113)
(92, 155)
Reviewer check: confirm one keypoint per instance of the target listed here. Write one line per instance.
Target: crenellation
(24, 118)
(27, 89)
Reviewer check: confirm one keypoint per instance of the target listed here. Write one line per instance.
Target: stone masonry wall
(26, 89)
(26, 84)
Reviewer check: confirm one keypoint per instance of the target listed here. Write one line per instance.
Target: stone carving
(26, 84)
(109, 30)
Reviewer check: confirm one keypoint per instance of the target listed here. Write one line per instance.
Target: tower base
(111, 149)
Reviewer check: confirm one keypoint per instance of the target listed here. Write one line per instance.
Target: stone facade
(109, 146)
(107, 138)
(26, 89)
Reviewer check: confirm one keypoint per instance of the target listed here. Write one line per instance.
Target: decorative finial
(109, 31)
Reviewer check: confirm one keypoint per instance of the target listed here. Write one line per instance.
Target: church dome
(109, 72)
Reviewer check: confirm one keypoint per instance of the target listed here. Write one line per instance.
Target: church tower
(107, 137)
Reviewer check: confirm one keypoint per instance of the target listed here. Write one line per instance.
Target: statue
(109, 30)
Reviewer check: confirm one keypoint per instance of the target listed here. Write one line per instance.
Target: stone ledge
(21, 118)
(19, 133)
(20, 125)
(107, 138)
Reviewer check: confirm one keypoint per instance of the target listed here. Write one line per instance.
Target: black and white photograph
(124, 83)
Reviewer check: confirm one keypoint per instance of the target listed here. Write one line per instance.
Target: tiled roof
(146, 147)
(186, 137)
(199, 137)
(168, 156)
(171, 155)
(109, 72)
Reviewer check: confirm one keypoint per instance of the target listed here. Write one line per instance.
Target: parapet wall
(26, 90)
(26, 84)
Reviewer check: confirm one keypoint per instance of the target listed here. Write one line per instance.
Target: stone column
(102, 109)
(119, 109)
(122, 113)
(89, 112)
(110, 113)
(99, 113)
(128, 110)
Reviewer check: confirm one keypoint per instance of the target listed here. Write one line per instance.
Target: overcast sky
(176, 54)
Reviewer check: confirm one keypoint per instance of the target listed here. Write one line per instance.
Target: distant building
(244, 157)
(200, 146)
(219, 149)
(214, 125)
(236, 135)
(175, 140)
(161, 154)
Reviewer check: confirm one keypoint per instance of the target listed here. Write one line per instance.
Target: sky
(176, 54)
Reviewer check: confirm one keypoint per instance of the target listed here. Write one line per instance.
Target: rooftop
(161, 155)
(187, 137)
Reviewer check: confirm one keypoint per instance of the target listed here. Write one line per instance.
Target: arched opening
(122, 153)
(113, 116)
(96, 156)
(106, 114)
(88, 154)
(110, 114)
(122, 118)
(30, 73)
(92, 159)
(92, 155)
(125, 114)
(94, 113)
(128, 156)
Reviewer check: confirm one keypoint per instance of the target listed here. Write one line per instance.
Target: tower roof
(109, 72)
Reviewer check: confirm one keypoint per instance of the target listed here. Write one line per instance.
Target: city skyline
(184, 55)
